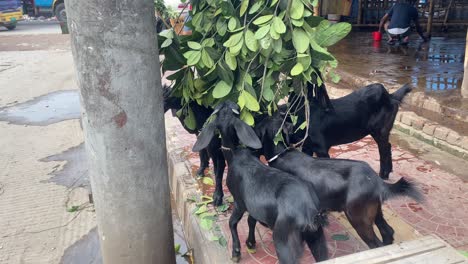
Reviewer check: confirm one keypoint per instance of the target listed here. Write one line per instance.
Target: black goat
(276, 199)
(213, 150)
(341, 185)
(370, 110)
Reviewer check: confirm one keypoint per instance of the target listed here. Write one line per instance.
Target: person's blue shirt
(401, 15)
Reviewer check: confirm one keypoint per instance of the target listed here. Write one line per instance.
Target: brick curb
(421, 128)
(183, 185)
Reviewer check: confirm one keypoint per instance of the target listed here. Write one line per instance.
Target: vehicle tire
(60, 12)
(10, 27)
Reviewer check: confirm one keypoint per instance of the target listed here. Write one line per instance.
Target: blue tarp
(44, 3)
(9, 4)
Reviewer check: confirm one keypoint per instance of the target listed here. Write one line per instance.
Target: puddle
(44, 110)
(84, 251)
(87, 249)
(436, 66)
(75, 172)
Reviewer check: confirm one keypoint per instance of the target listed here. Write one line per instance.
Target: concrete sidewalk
(445, 211)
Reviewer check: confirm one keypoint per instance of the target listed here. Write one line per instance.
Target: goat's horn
(235, 111)
(215, 111)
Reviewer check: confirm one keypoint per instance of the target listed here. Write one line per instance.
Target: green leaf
(322, 53)
(221, 89)
(262, 31)
(213, 238)
(340, 237)
(250, 101)
(279, 25)
(230, 61)
(209, 42)
(274, 34)
(201, 210)
(273, 3)
(248, 79)
(232, 23)
(251, 41)
(222, 241)
(177, 249)
(223, 208)
(302, 126)
(206, 223)
(206, 59)
(221, 27)
(208, 181)
(304, 60)
(230, 199)
(255, 7)
(334, 77)
(166, 43)
(297, 23)
(294, 119)
(278, 45)
(241, 102)
(194, 45)
(300, 40)
(244, 6)
(247, 117)
(268, 94)
(297, 69)
(328, 36)
(73, 209)
(262, 20)
(233, 40)
(265, 42)
(297, 9)
(189, 120)
(168, 33)
(193, 57)
(237, 48)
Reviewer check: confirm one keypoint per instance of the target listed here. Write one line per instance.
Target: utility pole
(117, 64)
(464, 88)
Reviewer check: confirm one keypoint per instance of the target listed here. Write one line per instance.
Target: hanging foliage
(250, 52)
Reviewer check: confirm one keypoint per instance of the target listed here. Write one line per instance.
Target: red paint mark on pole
(120, 119)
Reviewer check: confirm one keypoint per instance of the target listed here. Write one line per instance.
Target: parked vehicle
(56, 7)
(11, 11)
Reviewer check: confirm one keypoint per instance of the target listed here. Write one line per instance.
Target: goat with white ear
(276, 199)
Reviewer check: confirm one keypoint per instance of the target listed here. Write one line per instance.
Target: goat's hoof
(236, 259)
(201, 173)
(217, 200)
(251, 246)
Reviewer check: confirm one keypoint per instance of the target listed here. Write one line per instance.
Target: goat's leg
(317, 244)
(384, 228)
(362, 218)
(251, 243)
(237, 213)
(288, 241)
(204, 162)
(219, 171)
(385, 152)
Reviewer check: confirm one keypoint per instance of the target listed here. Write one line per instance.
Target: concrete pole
(116, 58)
(430, 18)
(359, 17)
(464, 88)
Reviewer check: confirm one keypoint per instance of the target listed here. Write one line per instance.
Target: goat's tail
(401, 93)
(402, 187)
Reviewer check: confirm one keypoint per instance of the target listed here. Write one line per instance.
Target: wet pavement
(444, 212)
(44, 110)
(435, 67)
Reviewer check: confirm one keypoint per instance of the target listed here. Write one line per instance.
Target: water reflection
(435, 67)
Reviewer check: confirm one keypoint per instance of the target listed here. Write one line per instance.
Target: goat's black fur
(213, 150)
(341, 185)
(277, 199)
(370, 110)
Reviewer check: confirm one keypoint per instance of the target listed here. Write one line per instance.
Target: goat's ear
(246, 134)
(204, 138)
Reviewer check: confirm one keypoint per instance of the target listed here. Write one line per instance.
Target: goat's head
(268, 130)
(225, 119)
(170, 102)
